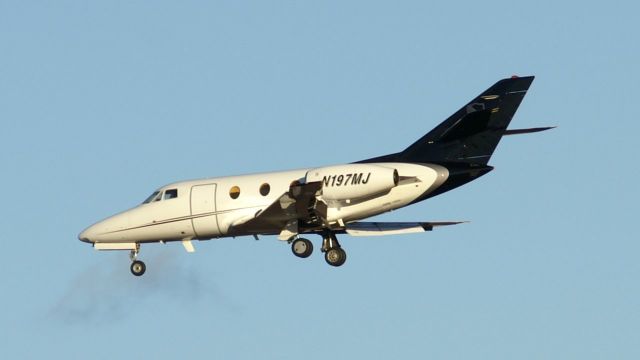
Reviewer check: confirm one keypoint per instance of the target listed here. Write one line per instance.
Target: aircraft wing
(275, 216)
(393, 228)
(299, 204)
(290, 207)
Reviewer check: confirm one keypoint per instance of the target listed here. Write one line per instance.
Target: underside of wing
(296, 206)
(392, 228)
(298, 212)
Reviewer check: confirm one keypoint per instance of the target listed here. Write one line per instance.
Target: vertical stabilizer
(472, 133)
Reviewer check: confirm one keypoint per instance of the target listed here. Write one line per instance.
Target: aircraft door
(203, 211)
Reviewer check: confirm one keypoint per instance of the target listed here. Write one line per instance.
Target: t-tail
(465, 142)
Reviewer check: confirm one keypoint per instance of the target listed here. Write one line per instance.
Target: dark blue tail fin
(471, 134)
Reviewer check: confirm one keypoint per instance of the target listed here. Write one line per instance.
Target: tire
(335, 256)
(301, 248)
(138, 268)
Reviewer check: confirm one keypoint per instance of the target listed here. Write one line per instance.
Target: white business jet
(326, 200)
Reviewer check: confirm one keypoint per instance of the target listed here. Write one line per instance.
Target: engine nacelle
(353, 181)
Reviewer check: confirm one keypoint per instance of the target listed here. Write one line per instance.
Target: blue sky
(102, 102)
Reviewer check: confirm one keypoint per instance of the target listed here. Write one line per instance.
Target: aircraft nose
(109, 229)
(86, 235)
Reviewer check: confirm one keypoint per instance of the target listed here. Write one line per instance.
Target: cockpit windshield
(152, 197)
(170, 194)
(162, 195)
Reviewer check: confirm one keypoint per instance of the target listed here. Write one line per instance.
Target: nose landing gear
(137, 266)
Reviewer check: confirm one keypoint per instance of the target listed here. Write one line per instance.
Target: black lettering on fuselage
(345, 179)
(348, 177)
(366, 181)
(356, 179)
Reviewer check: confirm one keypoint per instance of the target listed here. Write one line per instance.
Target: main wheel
(335, 256)
(301, 247)
(138, 268)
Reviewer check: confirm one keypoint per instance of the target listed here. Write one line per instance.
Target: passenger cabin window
(234, 192)
(151, 197)
(264, 189)
(170, 194)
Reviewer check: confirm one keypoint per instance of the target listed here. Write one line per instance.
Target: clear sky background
(102, 102)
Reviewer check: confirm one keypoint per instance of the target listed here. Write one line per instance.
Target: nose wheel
(137, 266)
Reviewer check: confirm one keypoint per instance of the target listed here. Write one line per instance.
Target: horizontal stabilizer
(527, 131)
(393, 228)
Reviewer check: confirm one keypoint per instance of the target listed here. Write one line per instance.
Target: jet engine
(353, 181)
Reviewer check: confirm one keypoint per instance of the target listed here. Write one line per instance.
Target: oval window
(234, 192)
(264, 189)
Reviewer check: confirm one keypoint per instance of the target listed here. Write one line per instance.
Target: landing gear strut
(334, 255)
(137, 267)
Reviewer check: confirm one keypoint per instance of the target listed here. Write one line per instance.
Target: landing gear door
(203, 211)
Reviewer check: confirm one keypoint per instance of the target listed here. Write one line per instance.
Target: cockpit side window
(151, 197)
(170, 194)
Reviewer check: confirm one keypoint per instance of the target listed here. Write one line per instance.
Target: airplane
(325, 201)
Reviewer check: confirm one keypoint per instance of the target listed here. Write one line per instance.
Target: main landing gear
(137, 267)
(334, 255)
(301, 247)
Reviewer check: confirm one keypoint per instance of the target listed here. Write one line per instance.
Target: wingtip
(447, 223)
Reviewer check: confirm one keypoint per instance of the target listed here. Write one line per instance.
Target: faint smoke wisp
(105, 292)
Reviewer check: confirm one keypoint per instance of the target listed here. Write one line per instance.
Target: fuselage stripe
(181, 218)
